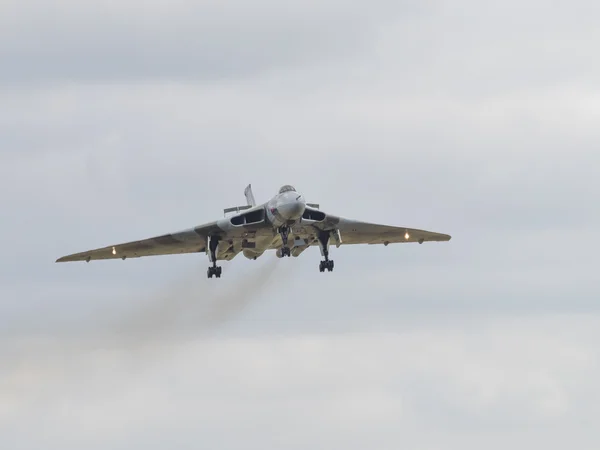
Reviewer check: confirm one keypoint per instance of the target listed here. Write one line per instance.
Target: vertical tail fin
(249, 196)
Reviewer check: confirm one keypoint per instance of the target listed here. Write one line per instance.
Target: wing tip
(72, 258)
(64, 259)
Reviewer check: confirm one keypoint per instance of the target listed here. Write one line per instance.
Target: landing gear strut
(213, 243)
(324, 245)
(284, 233)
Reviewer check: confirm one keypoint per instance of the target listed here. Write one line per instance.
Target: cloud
(132, 40)
(502, 376)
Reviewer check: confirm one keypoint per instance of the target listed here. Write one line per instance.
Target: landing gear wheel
(215, 270)
(326, 265)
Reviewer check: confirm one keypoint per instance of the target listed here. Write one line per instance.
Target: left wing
(357, 232)
(192, 240)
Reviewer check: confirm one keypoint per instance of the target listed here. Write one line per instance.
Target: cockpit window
(286, 188)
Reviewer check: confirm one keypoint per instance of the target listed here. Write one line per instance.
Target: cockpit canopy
(287, 188)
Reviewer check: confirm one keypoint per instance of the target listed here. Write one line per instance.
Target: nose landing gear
(284, 232)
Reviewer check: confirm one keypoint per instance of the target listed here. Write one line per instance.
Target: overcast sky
(129, 119)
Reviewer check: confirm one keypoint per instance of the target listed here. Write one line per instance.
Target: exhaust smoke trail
(192, 306)
(32, 367)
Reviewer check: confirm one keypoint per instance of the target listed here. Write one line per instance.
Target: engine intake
(250, 217)
(313, 214)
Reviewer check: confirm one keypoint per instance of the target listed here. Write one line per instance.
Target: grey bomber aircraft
(286, 224)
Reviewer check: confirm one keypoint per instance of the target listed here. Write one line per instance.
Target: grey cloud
(177, 40)
(486, 47)
(500, 379)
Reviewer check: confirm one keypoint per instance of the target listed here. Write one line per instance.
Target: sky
(125, 120)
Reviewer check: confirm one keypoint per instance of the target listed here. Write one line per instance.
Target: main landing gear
(284, 233)
(215, 270)
(324, 245)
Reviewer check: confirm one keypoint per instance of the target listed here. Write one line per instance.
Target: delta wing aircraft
(286, 224)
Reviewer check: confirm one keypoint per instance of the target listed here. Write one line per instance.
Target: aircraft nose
(293, 209)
